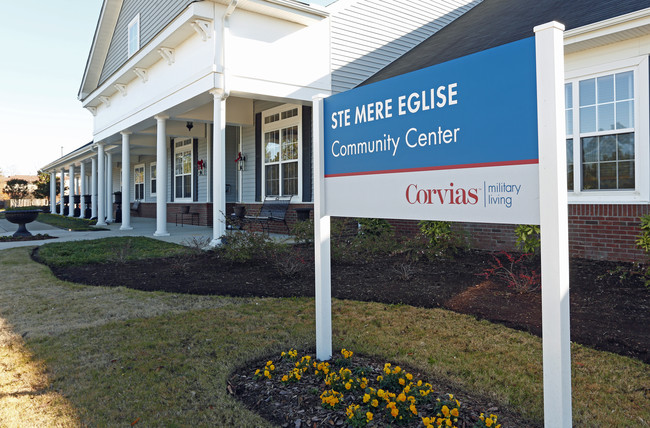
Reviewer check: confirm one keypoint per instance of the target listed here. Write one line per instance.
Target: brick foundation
(600, 232)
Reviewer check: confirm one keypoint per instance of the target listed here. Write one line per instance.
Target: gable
(496, 22)
(154, 16)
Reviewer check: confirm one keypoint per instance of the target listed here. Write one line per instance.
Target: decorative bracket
(142, 74)
(202, 27)
(121, 88)
(167, 54)
(92, 110)
(105, 100)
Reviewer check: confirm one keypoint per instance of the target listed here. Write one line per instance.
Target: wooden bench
(135, 208)
(185, 210)
(274, 208)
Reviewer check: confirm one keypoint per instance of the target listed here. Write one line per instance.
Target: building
(208, 103)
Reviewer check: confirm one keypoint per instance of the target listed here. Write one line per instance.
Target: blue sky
(45, 46)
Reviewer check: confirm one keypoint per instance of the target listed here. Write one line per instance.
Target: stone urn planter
(21, 218)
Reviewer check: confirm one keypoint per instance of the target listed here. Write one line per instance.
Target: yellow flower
(402, 381)
(368, 416)
(397, 369)
(266, 373)
(272, 367)
(448, 422)
(374, 403)
(445, 411)
(394, 412)
(380, 378)
(454, 412)
(285, 378)
(409, 376)
(426, 421)
(268, 363)
(419, 383)
(401, 397)
(413, 409)
(348, 386)
(366, 398)
(257, 371)
(488, 422)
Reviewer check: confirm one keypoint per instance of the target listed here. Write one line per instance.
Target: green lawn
(76, 355)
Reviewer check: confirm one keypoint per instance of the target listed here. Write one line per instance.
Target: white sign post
(480, 138)
(553, 225)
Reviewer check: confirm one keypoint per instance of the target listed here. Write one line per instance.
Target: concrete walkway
(141, 227)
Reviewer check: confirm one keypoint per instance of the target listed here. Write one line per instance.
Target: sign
(455, 141)
(480, 138)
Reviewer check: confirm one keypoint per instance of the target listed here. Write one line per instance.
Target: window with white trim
(152, 177)
(605, 144)
(133, 34)
(183, 169)
(138, 180)
(281, 144)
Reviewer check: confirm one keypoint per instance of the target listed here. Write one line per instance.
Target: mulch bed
(37, 237)
(609, 311)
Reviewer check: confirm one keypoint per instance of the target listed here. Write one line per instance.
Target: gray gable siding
(154, 16)
(497, 22)
(368, 35)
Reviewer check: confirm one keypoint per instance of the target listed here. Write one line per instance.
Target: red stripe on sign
(438, 168)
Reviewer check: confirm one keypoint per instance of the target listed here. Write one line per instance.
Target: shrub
(439, 239)
(303, 232)
(513, 271)
(374, 226)
(528, 239)
(244, 246)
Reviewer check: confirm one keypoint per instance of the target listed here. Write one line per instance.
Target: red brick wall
(600, 232)
(606, 231)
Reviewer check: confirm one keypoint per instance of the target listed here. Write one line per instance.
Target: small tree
(42, 190)
(16, 188)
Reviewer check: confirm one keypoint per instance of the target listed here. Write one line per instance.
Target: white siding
(367, 35)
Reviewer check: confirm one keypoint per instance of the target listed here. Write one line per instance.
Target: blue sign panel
(475, 111)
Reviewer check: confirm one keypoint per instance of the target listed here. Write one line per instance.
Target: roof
(496, 22)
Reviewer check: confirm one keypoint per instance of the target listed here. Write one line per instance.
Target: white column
(52, 192)
(71, 190)
(218, 168)
(62, 184)
(83, 190)
(554, 227)
(126, 180)
(93, 185)
(161, 177)
(109, 187)
(322, 256)
(101, 186)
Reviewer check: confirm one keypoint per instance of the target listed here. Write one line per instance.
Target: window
(152, 175)
(606, 147)
(133, 32)
(281, 135)
(138, 179)
(568, 105)
(183, 168)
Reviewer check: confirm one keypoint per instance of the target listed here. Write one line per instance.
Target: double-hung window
(138, 179)
(183, 168)
(152, 177)
(281, 133)
(605, 144)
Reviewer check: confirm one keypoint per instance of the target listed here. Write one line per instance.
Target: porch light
(189, 126)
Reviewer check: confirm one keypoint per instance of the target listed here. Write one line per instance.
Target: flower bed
(296, 390)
